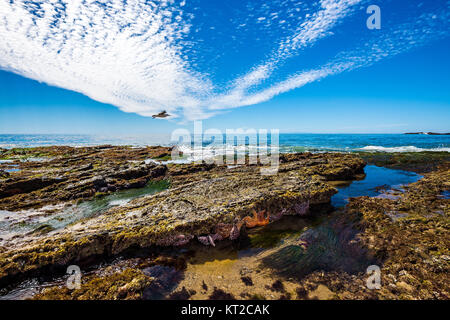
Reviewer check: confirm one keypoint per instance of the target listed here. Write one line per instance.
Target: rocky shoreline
(207, 205)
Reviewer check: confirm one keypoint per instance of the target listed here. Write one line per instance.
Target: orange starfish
(259, 219)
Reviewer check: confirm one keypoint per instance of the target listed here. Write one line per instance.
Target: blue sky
(310, 66)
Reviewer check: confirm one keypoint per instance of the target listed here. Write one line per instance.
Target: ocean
(287, 142)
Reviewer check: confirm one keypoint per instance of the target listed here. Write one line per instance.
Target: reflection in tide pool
(377, 178)
(445, 194)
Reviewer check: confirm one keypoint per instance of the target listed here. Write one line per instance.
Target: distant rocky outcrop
(429, 133)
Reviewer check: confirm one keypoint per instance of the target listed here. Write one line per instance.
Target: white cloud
(398, 40)
(127, 56)
(132, 56)
(314, 27)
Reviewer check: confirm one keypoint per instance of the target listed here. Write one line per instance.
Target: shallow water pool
(53, 217)
(376, 179)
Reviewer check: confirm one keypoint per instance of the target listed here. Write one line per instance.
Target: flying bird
(162, 114)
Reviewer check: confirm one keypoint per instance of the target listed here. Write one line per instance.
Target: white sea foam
(119, 202)
(198, 153)
(402, 149)
(192, 154)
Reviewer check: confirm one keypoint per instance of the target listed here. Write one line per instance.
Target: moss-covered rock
(211, 204)
(420, 162)
(128, 284)
(49, 175)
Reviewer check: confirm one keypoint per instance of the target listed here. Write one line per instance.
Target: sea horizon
(288, 142)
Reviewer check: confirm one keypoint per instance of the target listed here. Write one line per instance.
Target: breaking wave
(402, 149)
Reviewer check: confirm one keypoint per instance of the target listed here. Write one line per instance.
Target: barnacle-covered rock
(128, 284)
(175, 240)
(301, 209)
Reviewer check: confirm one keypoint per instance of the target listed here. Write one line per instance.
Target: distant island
(429, 133)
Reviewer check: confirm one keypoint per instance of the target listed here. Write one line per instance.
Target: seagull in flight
(162, 114)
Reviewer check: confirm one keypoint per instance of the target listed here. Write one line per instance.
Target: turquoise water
(287, 142)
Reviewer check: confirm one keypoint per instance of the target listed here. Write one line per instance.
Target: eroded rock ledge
(206, 202)
(49, 175)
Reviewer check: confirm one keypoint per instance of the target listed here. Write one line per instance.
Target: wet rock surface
(49, 175)
(212, 209)
(209, 205)
(412, 250)
(415, 246)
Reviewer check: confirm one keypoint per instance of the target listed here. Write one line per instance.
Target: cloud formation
(139, 56)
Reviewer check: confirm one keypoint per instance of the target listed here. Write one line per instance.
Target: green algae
(163, 158)
(326, 247)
